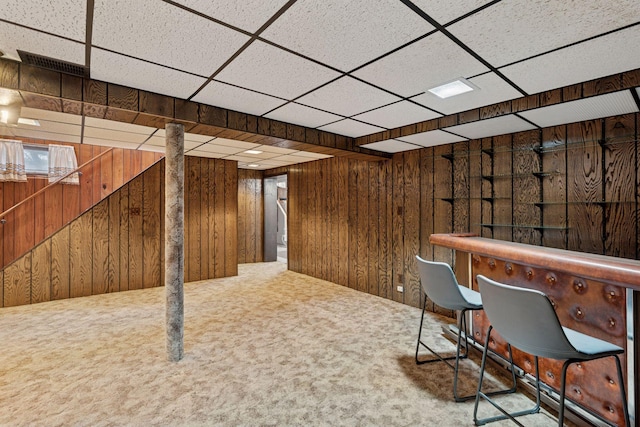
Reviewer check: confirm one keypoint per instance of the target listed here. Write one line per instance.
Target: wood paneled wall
(118, 244)
(250, 216)
(48, 212)
(361, 224)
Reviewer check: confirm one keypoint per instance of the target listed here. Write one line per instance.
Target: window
(36, 159)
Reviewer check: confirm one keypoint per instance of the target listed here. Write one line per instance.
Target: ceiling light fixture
(253, 152)
(453, 88)
(253, 165)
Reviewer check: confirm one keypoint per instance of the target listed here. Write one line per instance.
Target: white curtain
(62, 160)
(12, 161)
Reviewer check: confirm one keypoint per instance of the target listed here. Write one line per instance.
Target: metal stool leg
(486, 396)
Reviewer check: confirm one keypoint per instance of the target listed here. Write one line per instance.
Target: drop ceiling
(352, 68)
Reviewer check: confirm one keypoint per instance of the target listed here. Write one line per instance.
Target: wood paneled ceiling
(359, 68)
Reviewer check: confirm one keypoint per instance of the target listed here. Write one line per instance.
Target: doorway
(275, 219)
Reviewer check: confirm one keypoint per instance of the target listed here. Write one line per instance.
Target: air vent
(53, 64)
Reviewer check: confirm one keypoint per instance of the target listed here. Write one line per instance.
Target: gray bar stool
(440, 285)
(526, 319)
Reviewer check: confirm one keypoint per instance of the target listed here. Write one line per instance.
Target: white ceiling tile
(399, 114)
(293, 158)
(234, 98)
(55, 127)
(248, 15)
(52, 116)
(390, 146)
(491, 89)
(6, 131)
(220, 149)
(313, 155)
(49, 136)
(445, 11)
(154, 148)
(109, 143)
(277, 150)
(107, 66)
(259, 157)
(611, 104)
(234, 143)
(273, 163)
(119, 126)
(352, 32)
(585, 61)
(427, 63)
(240, 158)
(348, 127)
(62, 17)
(491, 127)
(159, 32)
(114, 135)
(193, 137)
(208, 154)
(274, 71)
(347, 96)
(161, 142)
(513, 30)
(431, 138)
(13, 38)
(302, 115)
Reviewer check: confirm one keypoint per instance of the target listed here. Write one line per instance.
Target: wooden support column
(174, 240)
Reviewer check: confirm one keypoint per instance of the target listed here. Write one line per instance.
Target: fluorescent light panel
(30, 122)
(453, 88)
(253, 152)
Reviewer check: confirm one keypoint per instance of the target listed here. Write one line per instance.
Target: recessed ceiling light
(453, 88)
(253, 152)
(253, 165)
(31, 122)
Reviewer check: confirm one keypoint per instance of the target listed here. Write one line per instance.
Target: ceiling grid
(352, 68)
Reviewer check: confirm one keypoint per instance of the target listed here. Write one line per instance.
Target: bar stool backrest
(440, 284)
(526, 319)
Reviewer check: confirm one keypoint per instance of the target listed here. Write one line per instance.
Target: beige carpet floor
(266, 348)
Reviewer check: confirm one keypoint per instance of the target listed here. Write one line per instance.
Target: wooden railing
(3, 220)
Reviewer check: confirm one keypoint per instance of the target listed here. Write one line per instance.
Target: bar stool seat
(440, 285)
(526, 319)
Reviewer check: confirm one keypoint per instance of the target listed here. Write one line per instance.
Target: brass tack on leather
(612, 322)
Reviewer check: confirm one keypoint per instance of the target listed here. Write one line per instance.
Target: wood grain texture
(385, 288)
(80, 256)
(443, 195)
(426, 202)
(620, 191)
(353, 225)
(60, 264)
(487, 186)
(135, 239)
(373, 226)
(585, 189)
(17, 282)
(361, 219)
(100, 255)
(41, 273)
(502, 188)
(397, 244)
(342, 183)
(475, 186)
(151, 225)
(231, 217)
(461, 184)
(219, 219)
(554, 186)
(113, 262)
(123, 232)
(411, 170)
(526, 187)
(333, 228)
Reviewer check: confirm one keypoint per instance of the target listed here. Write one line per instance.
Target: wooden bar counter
(593, 294)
